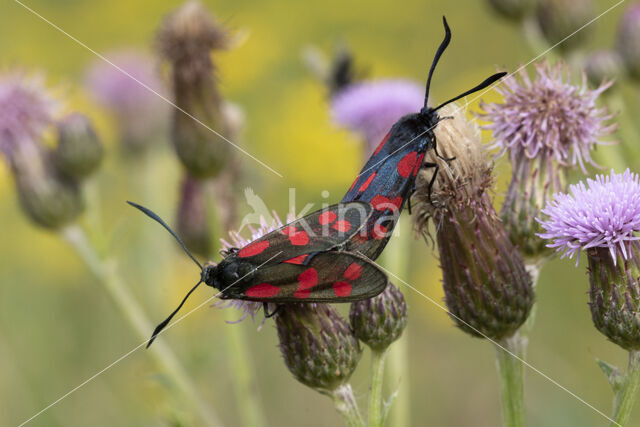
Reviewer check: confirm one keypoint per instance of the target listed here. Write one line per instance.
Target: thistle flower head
(604, 213)
(193, 221)
(548, 117)
(317, 345)
(27, 108)
(628, 40)
(602, 66)
(487, 289)
(140, 113)
(564, 21)
(79, 151)
(512, 9)
(372, 107)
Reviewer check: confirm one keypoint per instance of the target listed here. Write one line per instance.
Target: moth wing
(332, 276)
(319, 231)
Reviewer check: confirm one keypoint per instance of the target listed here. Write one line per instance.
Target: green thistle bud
(79, 151)
(186, 39)
(380, 320)
(628, 41)
(602, 66)
(512, 9)
(487, 289)
(562, 18)
(193, 225)
(317, 345)
(615, 295)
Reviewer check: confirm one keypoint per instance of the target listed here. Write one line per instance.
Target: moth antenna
(155, 217)
(488, 82)
(166, 321)
(436, 58)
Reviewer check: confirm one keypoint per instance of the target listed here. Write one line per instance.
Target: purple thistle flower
(26, 110)
(628, 39)
(372, 107)
(605, 213)
(548, 117)
(141, 114)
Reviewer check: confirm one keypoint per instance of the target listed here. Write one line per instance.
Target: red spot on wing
(354, 183)
(418, 164)
(299, 238)
(288, 230)
(307, 280)
(342, 226)
(327, 217)
(297, 260)
(263, 290)
(407, 164)
(342, 289)
(253, 249)
(379, 232)
(353, 271)
(384, 141)
(365, 184)
(381, 203)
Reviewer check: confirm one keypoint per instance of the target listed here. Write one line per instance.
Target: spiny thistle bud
(487, 289)
(546, 126)
(79, 151)
(193, 221)
(186, 39)
(603, 66)
(372, 107)
(26, 111)
(380, 320)
(140, 114)
(628, 42)
(603, 218)
(512, 9)
(560, 19)
(317, 345)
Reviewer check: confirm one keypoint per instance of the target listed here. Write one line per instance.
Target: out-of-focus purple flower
(548, 117)
(372, 107)
(628, 39)
(605, 213)
(237, 240)
(141, 114)
(26, 110)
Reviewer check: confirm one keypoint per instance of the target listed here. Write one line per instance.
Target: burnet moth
(387, 179)
(303, 261)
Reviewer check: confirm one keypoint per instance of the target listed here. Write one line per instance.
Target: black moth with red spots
(304, 261)
(387, 179)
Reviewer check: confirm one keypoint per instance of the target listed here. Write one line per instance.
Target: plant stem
(346, 405)
(626, 395)
(376, 406)
(107, 275)
(511, 374)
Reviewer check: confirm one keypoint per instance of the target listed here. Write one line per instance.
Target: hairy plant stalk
(105, 271)
(376, 404)
(627, 394)
(346, 405)
(511, 372)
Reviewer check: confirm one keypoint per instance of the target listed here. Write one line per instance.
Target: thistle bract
(79, 151)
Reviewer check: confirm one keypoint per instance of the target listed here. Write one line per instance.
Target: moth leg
(265, 307)
(433, 178)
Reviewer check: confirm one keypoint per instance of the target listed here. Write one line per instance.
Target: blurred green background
(58, 327)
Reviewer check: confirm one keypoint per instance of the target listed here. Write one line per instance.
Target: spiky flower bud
(380, 320)
(545, 126)
(79, 151)
(603, 218)
(193, 222)
(603, 66)
(628, 41)
(317, 345)
(26, 111)
(560, 19)
(128, 93)
(512, 9)
(186, 39)
(487, 289)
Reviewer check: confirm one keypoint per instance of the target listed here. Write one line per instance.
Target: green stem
(105, 272)
(346, 405)
(511, 372)
(627, 393)
(376, 405)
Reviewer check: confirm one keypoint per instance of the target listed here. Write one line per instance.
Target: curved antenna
(166, 321)
(488, 82)
(155, 217)
(436, 58)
